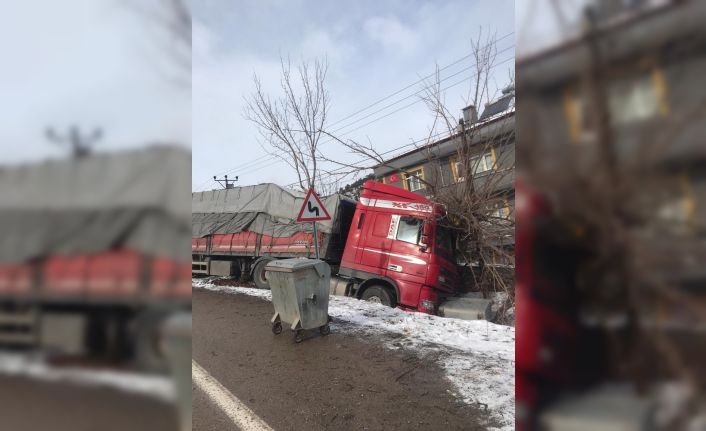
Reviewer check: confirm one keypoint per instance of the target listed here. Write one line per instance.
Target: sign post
(313, 210)
(316, 240)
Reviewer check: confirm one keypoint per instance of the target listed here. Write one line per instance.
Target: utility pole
(80, 145)
(225, 182)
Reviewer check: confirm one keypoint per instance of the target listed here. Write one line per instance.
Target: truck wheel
(258, 274)
(379, 295)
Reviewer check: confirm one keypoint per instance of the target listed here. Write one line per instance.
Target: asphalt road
(31, 405)
(338, 382)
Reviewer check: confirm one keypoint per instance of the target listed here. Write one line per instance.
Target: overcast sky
(373, 48)
(96, 63)
(99, 63)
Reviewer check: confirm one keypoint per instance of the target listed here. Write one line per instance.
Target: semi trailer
(94, 253)
(389, 247)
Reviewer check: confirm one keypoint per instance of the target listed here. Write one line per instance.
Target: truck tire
(258, 274)
(378, 294)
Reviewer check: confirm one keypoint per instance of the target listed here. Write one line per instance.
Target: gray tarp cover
(264, 208)
(137, 199)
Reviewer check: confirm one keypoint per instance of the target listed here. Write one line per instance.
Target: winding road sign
(313, 209)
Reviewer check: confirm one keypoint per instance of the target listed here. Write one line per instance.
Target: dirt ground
(341, 381)
(31, 405)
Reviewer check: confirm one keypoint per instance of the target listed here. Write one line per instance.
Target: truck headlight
(427, 306)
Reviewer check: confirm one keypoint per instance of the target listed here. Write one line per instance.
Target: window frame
(493, 165)
(407, 173)
(573, 102)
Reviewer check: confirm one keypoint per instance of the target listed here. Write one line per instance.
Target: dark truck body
(237, 231)
(93, 257)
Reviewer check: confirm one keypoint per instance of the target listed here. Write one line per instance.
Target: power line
(419, 81)
(465, 79)
(274, 161)
(414, 94)
(355, 164)
(268, 156)
(260, 159)
(393, 112)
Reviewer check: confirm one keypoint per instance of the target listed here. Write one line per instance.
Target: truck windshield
(444, 245)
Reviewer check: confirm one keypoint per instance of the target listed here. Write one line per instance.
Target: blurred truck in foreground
(387, 248)
(610, 223)
(93, 257)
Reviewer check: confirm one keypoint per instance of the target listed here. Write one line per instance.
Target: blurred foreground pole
(176, 336)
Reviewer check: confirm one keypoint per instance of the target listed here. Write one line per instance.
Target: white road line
(238, 412)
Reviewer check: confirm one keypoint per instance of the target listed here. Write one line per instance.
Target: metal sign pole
(316, 240)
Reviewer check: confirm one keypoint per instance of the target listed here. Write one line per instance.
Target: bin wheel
(325, 330)
(277, 328)
(298, 336)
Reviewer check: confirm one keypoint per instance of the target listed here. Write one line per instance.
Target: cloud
(392, 34)
(89, 63)
(203, 40)
(373, 48)
(319, 43)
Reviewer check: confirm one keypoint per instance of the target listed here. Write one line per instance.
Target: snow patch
(35, 367)
(479, 356)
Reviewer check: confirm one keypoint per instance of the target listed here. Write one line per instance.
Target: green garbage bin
(300, 291)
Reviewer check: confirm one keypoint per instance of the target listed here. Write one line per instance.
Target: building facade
(490, 140)
(648, 62)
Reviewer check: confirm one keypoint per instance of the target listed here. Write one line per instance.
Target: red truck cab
(397, 253)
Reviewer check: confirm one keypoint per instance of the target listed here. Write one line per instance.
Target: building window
(633, 101)
(479, 164)
(501, 212)
(482, 163)
(414, 179)
(500, 209)
(630, 100)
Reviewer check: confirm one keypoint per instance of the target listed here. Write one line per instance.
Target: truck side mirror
(426, 229)
(424, 239)
(424, 243)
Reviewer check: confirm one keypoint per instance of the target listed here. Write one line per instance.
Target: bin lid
(297, 264)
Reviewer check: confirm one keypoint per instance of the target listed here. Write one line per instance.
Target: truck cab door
(374, 245)
(408, 260)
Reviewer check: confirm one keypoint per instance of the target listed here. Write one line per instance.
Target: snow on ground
(35, 367)
(478, 356)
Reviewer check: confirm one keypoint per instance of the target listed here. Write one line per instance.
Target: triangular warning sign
(313, 209)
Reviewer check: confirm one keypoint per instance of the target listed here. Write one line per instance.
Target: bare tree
(291, 125)
(472, 205)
